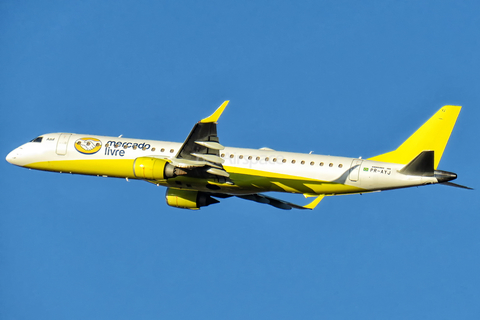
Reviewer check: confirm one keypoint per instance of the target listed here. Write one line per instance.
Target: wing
(277, 203)
(201, 149)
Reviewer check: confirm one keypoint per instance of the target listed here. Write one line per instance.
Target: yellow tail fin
(432, 135)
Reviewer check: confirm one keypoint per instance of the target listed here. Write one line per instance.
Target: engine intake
(188, 199)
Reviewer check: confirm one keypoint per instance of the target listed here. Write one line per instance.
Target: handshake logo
(88, 145)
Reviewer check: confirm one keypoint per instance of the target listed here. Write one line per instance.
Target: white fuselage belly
(315, 174)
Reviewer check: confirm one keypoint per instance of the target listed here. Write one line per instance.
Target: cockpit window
(39, 139)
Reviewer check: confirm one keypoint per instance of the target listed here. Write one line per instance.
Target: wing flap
(210, 145)
(209, 157)
(218, 172)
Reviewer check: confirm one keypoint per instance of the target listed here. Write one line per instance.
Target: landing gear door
(62, 143)
(355, 169)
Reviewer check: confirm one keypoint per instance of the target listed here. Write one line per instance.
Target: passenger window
(162, 150)
(330, 165)
(222, 155)
(340, 165)
(258, 158)
(321, 164)
(293, 161)
(274, 159)
(249, 157)
(240, 157)
(303, 162)
(171, 150)
(312, 163)
(153, 149)
(231, 156)
(284, 160)
(266, 159)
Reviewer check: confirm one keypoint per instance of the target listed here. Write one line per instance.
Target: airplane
(200, 170)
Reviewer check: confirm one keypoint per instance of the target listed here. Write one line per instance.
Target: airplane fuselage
(251, 170)
(200, 169)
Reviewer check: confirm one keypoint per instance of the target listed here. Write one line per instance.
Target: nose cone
(12, 156)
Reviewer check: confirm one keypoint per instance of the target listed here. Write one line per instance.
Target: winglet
(314, 203)
(214, 117)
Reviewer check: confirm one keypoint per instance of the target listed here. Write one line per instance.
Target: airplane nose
(12, 156)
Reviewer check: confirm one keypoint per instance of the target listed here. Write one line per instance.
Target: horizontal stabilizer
(422, 165)
(451, 184)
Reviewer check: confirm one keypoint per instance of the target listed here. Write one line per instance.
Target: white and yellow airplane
(200, 170)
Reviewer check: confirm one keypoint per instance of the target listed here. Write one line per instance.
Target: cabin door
(62, 143)
(355, 169)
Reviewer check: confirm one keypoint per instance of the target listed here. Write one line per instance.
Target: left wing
(282, 204)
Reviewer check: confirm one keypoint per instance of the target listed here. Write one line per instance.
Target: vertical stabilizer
(432, 135)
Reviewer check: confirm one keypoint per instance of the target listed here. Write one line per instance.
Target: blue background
(348, 78)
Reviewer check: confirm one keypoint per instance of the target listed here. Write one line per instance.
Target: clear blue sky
(349, 78)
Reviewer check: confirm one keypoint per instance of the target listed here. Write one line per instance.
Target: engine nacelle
(153, 169)
(188, 199)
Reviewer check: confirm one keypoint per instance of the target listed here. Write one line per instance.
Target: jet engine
(154, 169)
(188, 199)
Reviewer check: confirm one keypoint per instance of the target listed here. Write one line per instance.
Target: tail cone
(444, 176)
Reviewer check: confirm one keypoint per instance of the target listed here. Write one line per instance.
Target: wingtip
(314, 203)
(216, 115)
